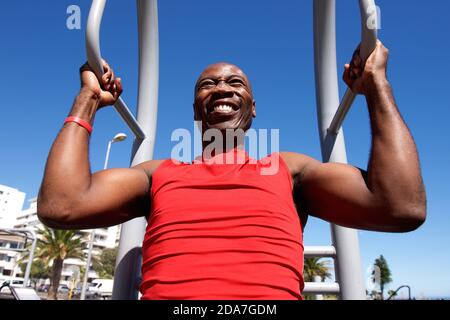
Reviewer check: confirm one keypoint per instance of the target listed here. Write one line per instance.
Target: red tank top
(222, 231)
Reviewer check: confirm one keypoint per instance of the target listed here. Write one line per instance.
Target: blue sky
(272, 41)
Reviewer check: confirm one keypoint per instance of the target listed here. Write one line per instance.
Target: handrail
(95, 62)
(368, 43)
(319, 252)
(321, 288)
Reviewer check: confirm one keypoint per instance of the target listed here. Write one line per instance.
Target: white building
(8, 255)
(104, 238)
(11, 203)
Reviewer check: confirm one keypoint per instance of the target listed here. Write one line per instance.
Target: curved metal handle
(95, 62)
(369, 27)
(369, 36)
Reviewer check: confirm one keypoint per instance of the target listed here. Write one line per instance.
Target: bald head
(222, 68)
(224, 98)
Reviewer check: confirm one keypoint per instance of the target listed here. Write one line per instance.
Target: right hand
(361, 77)
(108, 90)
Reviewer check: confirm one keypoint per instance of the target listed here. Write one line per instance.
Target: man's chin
(223, 126)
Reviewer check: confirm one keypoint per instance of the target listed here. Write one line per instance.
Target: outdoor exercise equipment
(331, 114)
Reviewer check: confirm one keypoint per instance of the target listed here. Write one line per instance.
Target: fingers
(85, 67)
(117, 88)
(109, 87)
(355, 69)
(347, 77)
(118, 84)
(110, 84)
(106, 78)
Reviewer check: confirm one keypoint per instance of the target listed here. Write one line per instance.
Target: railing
(320, 288)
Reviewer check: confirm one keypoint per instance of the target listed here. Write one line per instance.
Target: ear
(254, 109)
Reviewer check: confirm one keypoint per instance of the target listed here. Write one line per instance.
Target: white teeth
(223, 108)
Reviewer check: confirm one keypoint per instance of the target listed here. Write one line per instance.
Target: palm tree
(314, 267)
(104, 264)
(56, 246)
(383, 276)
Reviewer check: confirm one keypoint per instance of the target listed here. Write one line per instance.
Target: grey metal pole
(348, 260)
(31, 256)
(128, 263)
(88, 263)
(105, 165)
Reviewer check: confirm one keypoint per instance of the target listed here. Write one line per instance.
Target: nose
(223, 89)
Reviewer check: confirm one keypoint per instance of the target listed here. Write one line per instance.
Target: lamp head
(119, 137)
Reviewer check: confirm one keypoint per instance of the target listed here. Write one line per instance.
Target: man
(225, 231)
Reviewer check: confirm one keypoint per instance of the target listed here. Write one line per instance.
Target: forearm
(394, 175)
(67, 174)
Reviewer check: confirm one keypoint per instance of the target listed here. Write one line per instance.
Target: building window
(14, 245)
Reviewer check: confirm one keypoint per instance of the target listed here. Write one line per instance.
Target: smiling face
(223, 98)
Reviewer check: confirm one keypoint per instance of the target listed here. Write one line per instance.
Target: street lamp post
(117, 138)
(398, 289)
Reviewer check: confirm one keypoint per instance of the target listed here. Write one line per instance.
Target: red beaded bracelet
(80, 122)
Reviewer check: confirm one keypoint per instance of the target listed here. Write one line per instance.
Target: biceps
(337, 193)
(115, 196)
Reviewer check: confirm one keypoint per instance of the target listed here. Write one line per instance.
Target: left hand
(360, 78)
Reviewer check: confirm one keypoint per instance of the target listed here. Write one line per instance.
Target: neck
(224, 142)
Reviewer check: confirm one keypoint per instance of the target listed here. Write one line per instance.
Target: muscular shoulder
(297, 163)
(149, 167)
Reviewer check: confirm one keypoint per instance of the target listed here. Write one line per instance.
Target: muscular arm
(71, 197)
(390, 196)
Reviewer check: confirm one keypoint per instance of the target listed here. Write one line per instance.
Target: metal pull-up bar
(95, 62)
(368, 44)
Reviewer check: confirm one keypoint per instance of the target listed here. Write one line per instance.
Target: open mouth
(221, 111)
(223, 108)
